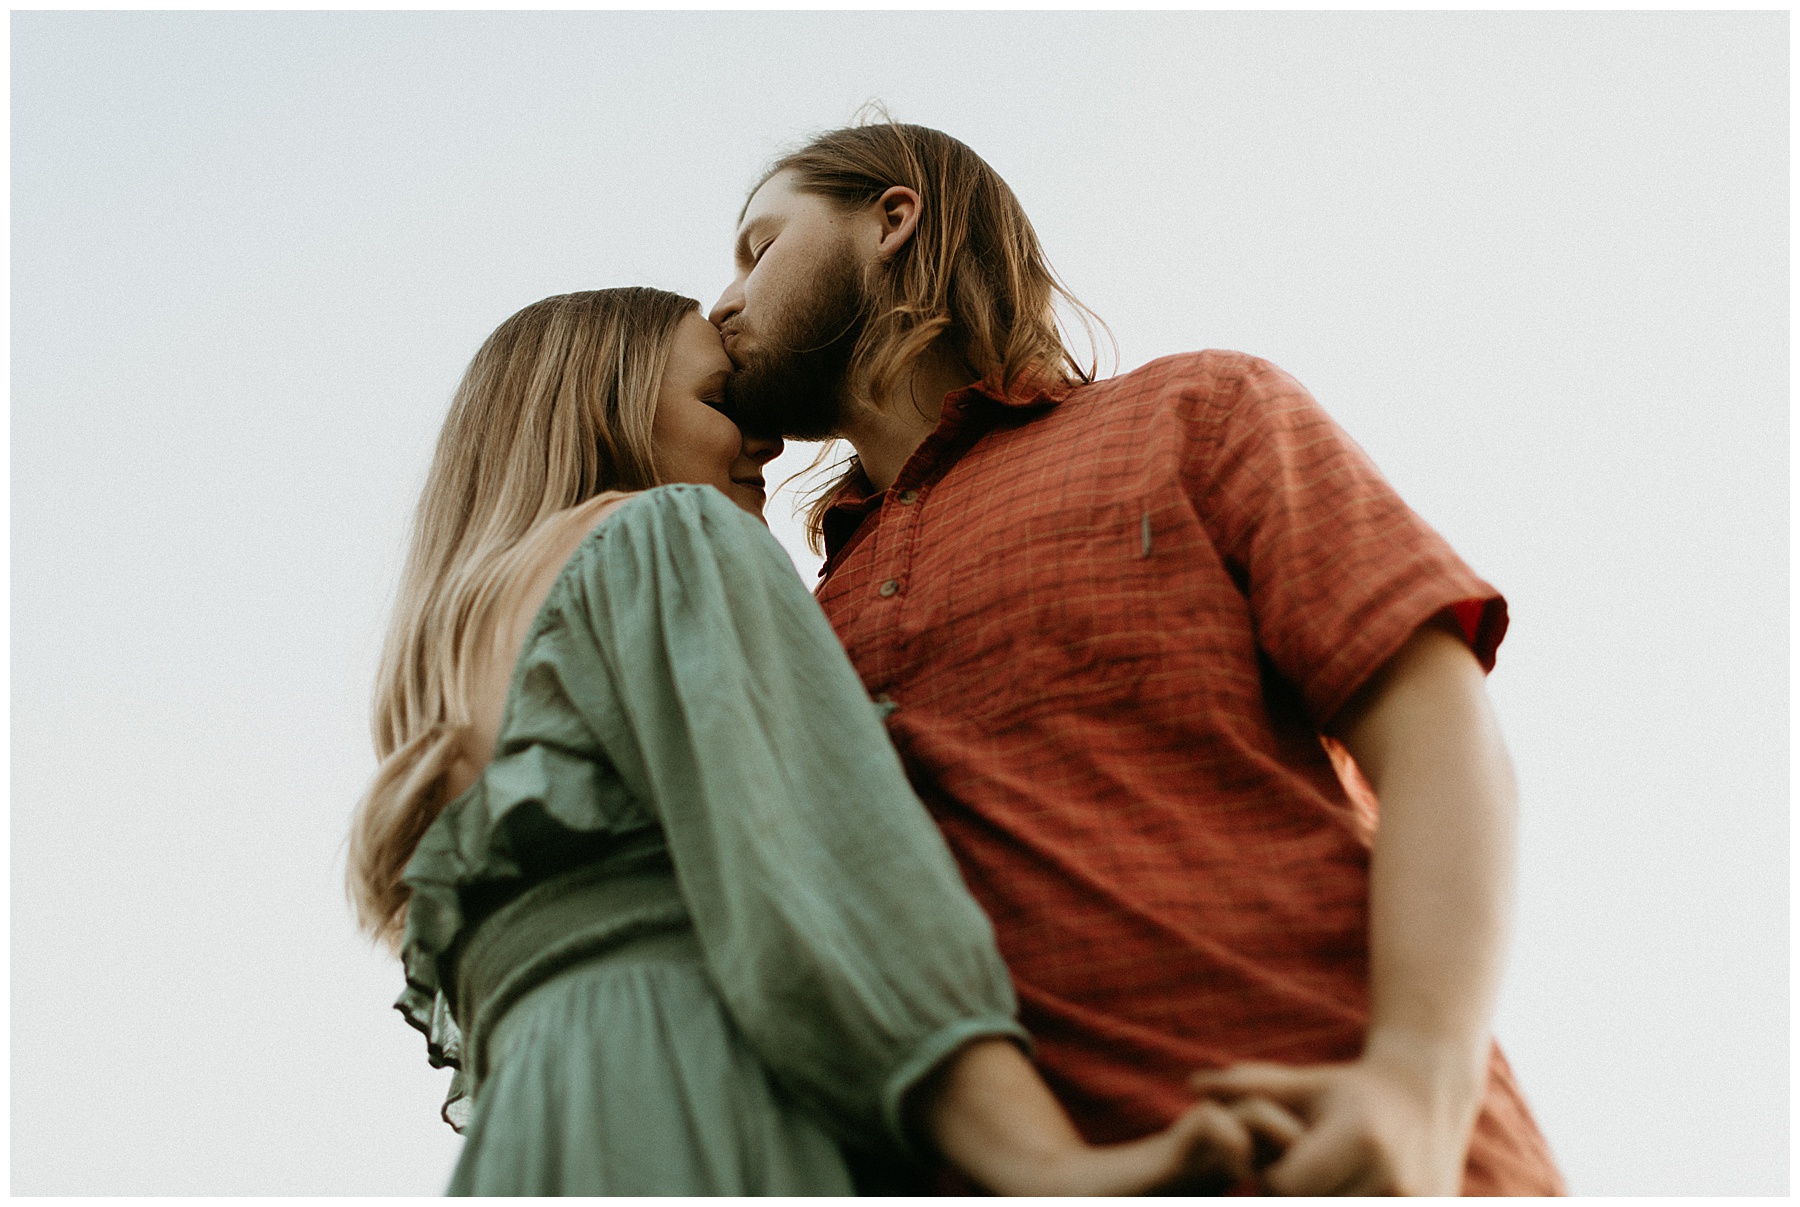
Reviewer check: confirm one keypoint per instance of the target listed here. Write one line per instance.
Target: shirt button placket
(909, 496)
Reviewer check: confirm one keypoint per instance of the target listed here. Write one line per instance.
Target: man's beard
(792, 384)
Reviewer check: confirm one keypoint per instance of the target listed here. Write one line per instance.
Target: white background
(1535, 263)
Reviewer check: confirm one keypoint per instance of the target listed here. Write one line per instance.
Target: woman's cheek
(730, 442)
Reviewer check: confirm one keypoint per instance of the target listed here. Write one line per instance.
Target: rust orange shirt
(1113, 619)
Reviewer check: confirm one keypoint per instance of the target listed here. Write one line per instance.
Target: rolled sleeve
(1338, 571)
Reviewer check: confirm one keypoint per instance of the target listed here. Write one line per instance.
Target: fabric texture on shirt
(1114, 619)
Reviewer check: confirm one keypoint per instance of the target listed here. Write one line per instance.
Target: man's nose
(762, 449)
(729, 303)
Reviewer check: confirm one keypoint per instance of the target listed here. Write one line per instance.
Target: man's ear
(898, 212)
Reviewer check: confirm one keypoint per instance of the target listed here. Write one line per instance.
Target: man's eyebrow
(741, 251)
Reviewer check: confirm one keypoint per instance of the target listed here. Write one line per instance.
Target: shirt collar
(1032, 392)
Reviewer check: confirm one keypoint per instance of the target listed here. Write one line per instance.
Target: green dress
(690, 931)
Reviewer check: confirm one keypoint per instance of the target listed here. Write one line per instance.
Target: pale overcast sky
(1535, 263)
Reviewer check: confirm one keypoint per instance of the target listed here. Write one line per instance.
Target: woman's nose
(762, 449)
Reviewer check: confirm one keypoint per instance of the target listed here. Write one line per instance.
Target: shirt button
(909, 496)
(888, 588)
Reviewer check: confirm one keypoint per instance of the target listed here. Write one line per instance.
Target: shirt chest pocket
(1048, 609)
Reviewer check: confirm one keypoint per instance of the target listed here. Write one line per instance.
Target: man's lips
(752, 483)
(729, 337)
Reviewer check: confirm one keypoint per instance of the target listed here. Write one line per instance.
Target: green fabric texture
(692, 887)
(665, 1098)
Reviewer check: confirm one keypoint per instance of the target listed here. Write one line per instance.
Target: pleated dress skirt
(623, 1075)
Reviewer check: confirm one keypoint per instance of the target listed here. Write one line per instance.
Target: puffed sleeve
(830, 912)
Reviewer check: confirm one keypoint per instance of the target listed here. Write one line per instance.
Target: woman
(655, 873)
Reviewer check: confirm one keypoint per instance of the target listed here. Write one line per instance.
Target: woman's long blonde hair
(555, 408)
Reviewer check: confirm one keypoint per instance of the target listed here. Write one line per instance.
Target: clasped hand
(1372, 1126)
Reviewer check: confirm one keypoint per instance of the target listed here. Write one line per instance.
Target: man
(1127, 626)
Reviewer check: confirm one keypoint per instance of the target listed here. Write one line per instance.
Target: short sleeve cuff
(1483, 623)
(1479, 611)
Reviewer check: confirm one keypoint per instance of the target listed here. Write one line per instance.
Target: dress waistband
(568, 919)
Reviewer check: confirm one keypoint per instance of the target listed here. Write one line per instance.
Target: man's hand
(1397, 1120)
(1373, 1126)
(993, 1118)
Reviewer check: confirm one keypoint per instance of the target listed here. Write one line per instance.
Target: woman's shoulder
(653, 507)
(681, 522)
(546, 550)
(560, 534)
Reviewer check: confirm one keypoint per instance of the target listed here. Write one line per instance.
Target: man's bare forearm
(1397, 1120)
(1440, 894)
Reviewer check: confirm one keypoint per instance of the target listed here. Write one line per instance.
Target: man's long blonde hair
(555, 409)
(973, 274)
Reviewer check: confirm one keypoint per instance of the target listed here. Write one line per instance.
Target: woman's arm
(833, 919)
(990, 1114)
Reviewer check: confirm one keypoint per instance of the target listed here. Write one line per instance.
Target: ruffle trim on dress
(530, 801)
(443, 1048)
